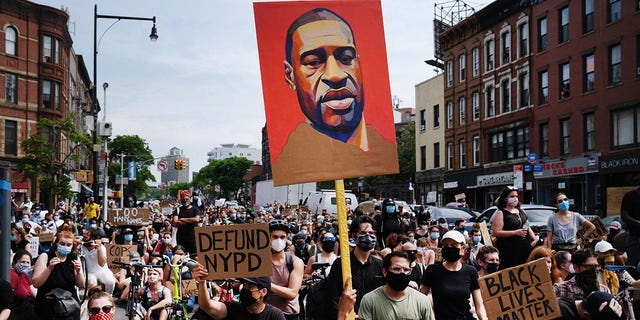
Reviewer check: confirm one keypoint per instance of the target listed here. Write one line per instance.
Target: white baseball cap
(454, 235)
(603, 246)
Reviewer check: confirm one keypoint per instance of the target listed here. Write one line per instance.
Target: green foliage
(51, 153)
(174, 188)
(135, 149)
(228, 173)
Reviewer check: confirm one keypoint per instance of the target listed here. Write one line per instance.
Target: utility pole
(122, 179)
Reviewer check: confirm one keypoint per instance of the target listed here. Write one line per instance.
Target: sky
(198, 86)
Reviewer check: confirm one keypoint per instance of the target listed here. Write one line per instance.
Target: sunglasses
(562, 200)
(96, 310)
(329, 239)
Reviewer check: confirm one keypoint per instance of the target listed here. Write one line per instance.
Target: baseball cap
(185, 194)
(262, 282)
(134, 257)
(615, 225)
(603, 306)
(603, 246)
(128, 230)
(454, 235)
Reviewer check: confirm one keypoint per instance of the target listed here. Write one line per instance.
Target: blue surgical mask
(93, 226)
(477, 239)
(128, 237)
(25, 220)
(64, 250)
(303, 232)
(563, 206)
(434, 235)
(390, 209)
(13, 238)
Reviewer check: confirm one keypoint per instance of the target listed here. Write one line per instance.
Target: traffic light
(179, 164)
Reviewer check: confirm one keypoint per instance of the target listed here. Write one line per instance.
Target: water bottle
(525, 226)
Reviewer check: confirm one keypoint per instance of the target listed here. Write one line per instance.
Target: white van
(326, 199)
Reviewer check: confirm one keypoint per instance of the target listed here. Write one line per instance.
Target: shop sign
(496, 179)
(450, 185)
(568, 167)
(621, 163)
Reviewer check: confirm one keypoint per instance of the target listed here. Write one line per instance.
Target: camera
(189, 263)
(88, 243)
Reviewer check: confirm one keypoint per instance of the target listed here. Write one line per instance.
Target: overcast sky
(199, 85)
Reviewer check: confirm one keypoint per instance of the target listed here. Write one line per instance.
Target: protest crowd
(403, 264)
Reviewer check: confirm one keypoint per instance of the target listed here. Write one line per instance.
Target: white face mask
(571, 268)
(153, 278)
(278, 245)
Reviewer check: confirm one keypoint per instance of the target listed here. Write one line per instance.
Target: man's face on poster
(326, 74)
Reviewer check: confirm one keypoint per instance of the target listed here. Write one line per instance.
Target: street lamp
(153, 36)
(105, 150)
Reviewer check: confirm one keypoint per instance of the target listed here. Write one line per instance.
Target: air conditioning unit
(105, 129)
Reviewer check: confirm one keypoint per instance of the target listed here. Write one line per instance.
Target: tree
(51, 153)
(228, 173)
(135, 149)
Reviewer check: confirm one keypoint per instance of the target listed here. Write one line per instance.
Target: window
(436, 116)
(423, 120)
(450, 156)
(436, 155)
(590, 132)
(11, 41)
(565, 87)
(490, 111)
(476, 105)
(463, 154)
(626, 124)
(564, 136)
(462, 64)
(615, 67)
(476, 150)
(509, 144)
(506, 47)
(11, 137)
(450, 114)
(614, 10)
(544, 140)
(489, 55)
(50, 50)
(523, 87)
(523, 35)
(423, 158)
(563, 23)
(475, 59)
(543, 87)
(505, 85)
(449, 73)
(588, 64)
(463, 110)
(542, 34)
(50, 95)
(587, 17)
(11, 88)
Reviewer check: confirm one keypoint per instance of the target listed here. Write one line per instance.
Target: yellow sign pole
(343, 231)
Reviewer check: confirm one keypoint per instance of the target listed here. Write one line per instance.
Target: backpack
(289, 261)
(318, 301)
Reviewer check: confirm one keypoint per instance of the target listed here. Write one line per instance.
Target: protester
(95, 255)
(101, 305)
(417, 269)
(451, 283)
(90, 211)
(155, 296)
(606, 257)
(563, 261)
(388, 222)
(23, 291)
(547, 254)
(328, 243)
(562, 226)
(585, 281)
(630, 214)
(475, 244)
(598, 306)
(395, 300)
(186, 218)
(488, 259)
(6, 297)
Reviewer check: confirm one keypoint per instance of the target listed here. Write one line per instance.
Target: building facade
(172, 174)
(235, 150)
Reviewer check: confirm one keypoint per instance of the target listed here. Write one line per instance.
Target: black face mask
(246, 299)
(587, 280)
(412, 255)
(398, 281)
(328, 246)
(184, 202)
(451, 254)
(492, 267)
(366, 242)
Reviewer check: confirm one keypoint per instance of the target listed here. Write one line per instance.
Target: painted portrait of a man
(324, 74)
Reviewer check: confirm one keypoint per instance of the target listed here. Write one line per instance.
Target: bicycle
(178, 307)
(625, 293)
(134, 286)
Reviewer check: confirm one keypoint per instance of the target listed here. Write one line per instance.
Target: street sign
(532, 158)
(162, 166)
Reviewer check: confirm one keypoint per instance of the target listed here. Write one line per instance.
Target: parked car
(452, 214)
(538, 215)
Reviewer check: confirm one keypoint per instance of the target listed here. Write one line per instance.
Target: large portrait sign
(326, 90)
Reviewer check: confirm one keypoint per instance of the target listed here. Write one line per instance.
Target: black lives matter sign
(520, 292)
(235, 251)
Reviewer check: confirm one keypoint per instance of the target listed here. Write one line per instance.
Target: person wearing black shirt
(388, 222)
(630, 213)
(186, 218)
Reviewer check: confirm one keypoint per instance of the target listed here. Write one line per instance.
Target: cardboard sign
(235, 251)
(486, 237)
(129, 216)
(520, 292)
(460, 196)
(46, 237)
(189, 288)
(119, 253)
(165, 208)
(601, 230)
(438, 256)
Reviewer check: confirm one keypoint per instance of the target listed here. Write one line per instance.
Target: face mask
(412, 256)
(25, 220)
(131, 204)
(13, 238)
(303, 232)
(477, 239)
(451, 254)
(153, 278)
(390, 209)
(278, 245)
(512, 202)
(166, 240)
(492, 267)
(328, 246)
(434, 235)
(366, 242)
(398, 281)
(246, 298)
(444, 226)
(224, 220)
(571, 270)
(169, 255)
(93, 226)
(563, 206)
(23, 267)
(184, 202)
(609, 259)
(587, 280)
(101, 316)
(64, 250)
(349, 222)
(128, 237)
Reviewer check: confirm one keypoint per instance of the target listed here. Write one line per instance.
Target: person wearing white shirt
(95, 255)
